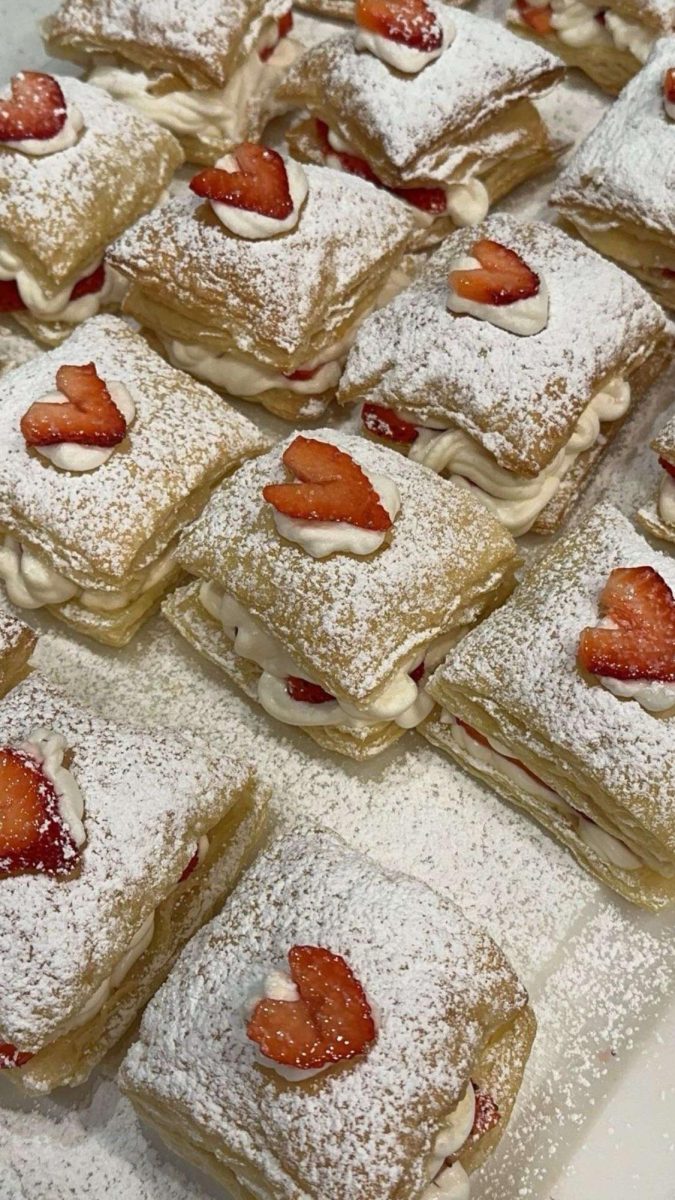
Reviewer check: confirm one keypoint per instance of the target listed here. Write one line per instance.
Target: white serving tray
(596, 1117)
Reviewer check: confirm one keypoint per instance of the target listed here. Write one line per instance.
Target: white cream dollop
(406, 59)
(30, 582)
(63, 140)
(48, 749)
(71, 456)
(576, 25)
(252, 225)
(523, 317)
(321, 538)
(467, 203)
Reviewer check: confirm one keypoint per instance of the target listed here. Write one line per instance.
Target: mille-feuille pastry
(658, 517)
(257, 281)
(356, 1035)
(508, 365)
(17, 643)
(436, 107)
(564, 702)
(76, 169)
(332, 575)
(617, 192)
(106, 452)
(609, 43)
(116, 844)
(203, 71)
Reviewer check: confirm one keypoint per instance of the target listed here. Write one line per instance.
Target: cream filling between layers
(32, 583)
(212, 114)
(516, 500)
(578, 24)
(59, 306)
(666, 500)
(402, 701)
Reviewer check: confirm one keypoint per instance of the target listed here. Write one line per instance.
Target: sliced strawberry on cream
(36, 119)
(78, 426)
(35, 834)
(11, 1057)
(669, 93)
(333, 505)
(493, 283)
(325, 1019)
(385, 423)
(537, 17)
(404, 34)
(253, 191)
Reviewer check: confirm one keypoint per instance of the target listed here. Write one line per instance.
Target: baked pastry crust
(651, 516)
(279, 302)
(106, 529)
(515, 680)
(148, 798)
(17, 642)
(519, 398)
(617, 192)
(455, 1011)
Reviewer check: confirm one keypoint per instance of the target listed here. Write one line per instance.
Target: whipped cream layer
(402, 701)
(58, 306)
(515, 499)
(666, 500)
(219, 115)
(578, 24)
(31, 583)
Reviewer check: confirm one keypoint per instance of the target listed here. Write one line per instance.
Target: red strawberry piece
(639, 601)
(90, 283)
(539, 19)
(418, 674)
(487, 1113)
(669, 85)
(667, 466)
(10, 299)
(332, 487)
(502, 278)
(192, 866)
(331, 1021)
(303, 373)
(90, 417)
(600, 16)
(260, 185)
(11, 1057)
(408, 22)
(385, 423)
(284, 26)
(37, 108)
(306, 692)
(667, 273)
(429, 199)
(33, 835)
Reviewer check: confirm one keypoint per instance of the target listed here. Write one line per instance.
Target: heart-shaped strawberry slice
(332, 487)
(538, 18)
(329, 1022)
(502, 278)
(37, 108)
(305, 692)
(89, 418)
(11, 1057)
(33, 835)
(668, 466)
(669, 85)
(642, 606)
(408, 22)
(260, 185)
(385, 423)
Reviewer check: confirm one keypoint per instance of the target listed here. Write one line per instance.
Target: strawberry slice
(37, 109)
(667, 466)
(502, 278)
(303, 373)
(10, 298)
(191, 867)
(330, 1022)
(332, 487)
(306, 692)
(385, 423)
(418, 673)
(538, 19)
(11, 1057)
(89, 283)
(669, 85)
(429, 199)
(639, 601)
(260, 185)
(408, 22)
(284, 26)
(33, 835)
(487, 1114)
(90, 418)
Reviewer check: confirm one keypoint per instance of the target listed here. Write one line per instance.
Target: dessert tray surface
(595, 1114)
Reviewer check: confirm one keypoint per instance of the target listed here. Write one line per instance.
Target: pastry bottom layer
(118, 627)
(643, 886)
(651, 520)
(607, 66)
(233, 843)
(645, 253)
(498, 1069)
(14, 663)
(52, 333)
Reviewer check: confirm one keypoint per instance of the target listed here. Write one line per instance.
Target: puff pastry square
(617, 191)
(466, 123)
(59, 212)
(523, 418)
(354, 625)
(658, 517)
(449, 1010)
(17, 642)
(244, 315)
(608, 42)
(596, 770)
(97, 548)
(83, 954)
(203, 71)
